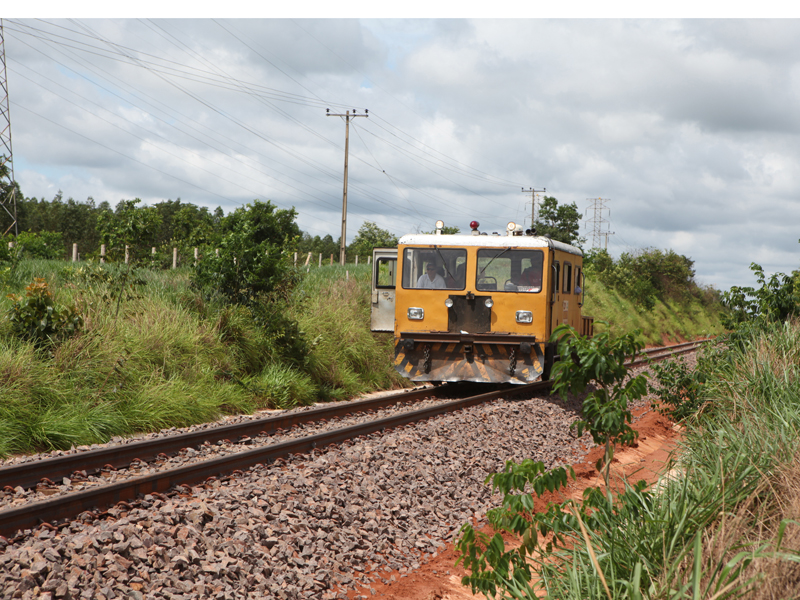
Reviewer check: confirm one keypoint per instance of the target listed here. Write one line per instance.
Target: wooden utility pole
(347, 116)
(533, 193)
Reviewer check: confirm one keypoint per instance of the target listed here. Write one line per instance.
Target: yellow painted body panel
(497, 355)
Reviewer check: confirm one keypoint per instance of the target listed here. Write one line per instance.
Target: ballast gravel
(70, 485)
(314, 526)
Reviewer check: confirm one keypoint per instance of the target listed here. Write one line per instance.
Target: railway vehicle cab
(476, 307)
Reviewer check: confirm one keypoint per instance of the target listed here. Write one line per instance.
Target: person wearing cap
(431, 280)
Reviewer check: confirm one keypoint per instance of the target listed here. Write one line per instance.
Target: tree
(254, 252)
(316, 245)
(447, 230)
(128, 226)
(560, 222)
(371, 236)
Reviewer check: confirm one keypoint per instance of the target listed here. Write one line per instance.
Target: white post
(127, 254)
(356, 259)
(295, 259)
(74, 252)
(369, 260)
(347, 274)
(102, 253)
(320, 259)
(174, 258)
(308, 259)
(216, 251)
(195, 257)
(153, 250)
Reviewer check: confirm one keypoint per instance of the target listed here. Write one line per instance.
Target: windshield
(435, 268)
(505, 270)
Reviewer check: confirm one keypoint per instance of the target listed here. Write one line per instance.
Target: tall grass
(727, 523)
(168, 358)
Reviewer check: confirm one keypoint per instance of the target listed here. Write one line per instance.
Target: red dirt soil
(439, 579)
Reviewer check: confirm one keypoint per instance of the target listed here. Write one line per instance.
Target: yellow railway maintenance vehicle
(477, 307)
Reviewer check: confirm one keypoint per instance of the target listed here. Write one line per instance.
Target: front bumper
(482, 358)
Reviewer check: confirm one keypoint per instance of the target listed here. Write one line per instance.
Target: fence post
(74, 252)
(153, 250)
(308, 259)
(174, 258)
(331, 258)
(195, 257)
(369, 260)
(216, 251)
(320, 259)
(295, 259)
(356, 259)
(127, 254)
(347, 275)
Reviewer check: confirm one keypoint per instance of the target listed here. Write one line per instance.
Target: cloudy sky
(689, 130)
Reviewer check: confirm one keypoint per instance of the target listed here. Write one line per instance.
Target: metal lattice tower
(597, 221)
(8, 188)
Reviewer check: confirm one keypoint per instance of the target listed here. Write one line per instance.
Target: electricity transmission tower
(8, 188)
(347, 117)
(597, 221)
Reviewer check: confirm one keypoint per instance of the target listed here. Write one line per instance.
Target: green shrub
(36, 316)
(678, 388)
(776, 300)
(254, 255)
(45, 244)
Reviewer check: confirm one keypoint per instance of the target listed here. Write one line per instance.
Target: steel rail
(668, 351)
(29, 474)
(70, 506)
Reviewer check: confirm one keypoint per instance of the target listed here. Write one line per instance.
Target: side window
(386, 273)
(578, 289)
(567, 278)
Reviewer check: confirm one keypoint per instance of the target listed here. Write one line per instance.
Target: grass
(168, 358)
(729, 525)
(669, 321)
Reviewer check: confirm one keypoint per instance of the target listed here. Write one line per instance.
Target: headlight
(416, 314)
(524, 316)
(448, 303)
(489, 303)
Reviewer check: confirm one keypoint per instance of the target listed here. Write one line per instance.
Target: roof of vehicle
(486, 241)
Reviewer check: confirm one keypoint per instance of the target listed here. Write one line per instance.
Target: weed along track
(311, 512)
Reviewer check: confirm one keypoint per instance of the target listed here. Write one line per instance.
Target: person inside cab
(431, 280)
(530, 280)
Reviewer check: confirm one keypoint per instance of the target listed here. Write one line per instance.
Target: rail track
(15, 521)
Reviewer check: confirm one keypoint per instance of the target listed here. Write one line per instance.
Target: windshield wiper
(483, 270)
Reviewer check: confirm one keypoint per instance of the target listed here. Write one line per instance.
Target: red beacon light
(474, 226)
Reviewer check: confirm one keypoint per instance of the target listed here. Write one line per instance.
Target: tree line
(49, 228)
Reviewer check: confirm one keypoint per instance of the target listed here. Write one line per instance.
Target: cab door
(384, 278)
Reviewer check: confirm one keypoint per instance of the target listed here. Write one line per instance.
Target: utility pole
(533, 193)
(8, 187)
(347, 116)
(598, 206)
